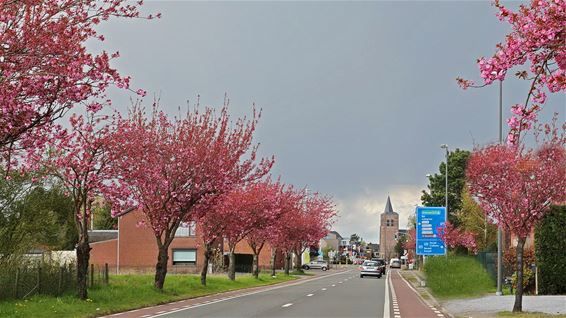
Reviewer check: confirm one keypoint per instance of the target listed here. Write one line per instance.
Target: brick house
(133, 249)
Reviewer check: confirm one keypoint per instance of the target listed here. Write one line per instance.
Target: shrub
(550, 242)
(510, 266)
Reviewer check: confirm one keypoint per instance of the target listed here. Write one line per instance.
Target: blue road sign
(429, 219)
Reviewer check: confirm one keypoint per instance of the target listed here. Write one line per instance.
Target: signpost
(429, 219)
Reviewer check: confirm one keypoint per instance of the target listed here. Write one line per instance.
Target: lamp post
(499, 232)
(445, 146)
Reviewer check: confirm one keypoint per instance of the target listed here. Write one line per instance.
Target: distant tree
(435, 196)
(400, 245)
(355, 238)
(33, 213)
(472, 219)
(102, 216)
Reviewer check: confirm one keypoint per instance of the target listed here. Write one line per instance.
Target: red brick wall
(104, 252)
(138, 249)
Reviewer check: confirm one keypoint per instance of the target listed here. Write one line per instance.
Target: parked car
(395, 263)
(323, 265)
(370, 268)
(382, 264)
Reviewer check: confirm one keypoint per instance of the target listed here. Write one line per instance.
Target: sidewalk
(489, 306)
(407, 303)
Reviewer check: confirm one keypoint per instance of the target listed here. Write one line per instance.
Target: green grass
(457, 276)
(127, 292)
(528, 315)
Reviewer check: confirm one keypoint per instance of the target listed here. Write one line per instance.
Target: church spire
(388, 207)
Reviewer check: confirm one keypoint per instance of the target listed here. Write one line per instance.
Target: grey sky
(356, 97)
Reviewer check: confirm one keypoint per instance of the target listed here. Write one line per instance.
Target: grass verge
(127, 292)
(528, 315)
(457, 276)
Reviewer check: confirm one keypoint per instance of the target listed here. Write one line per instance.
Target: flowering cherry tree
(454, 237)
(45, 68)
(79, 158)
(245, 209)
(169, 169)
(306, 220)
(537, 38)
(516, 188)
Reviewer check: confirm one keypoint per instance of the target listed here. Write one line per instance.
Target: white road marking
(323, 289)
(333, 285)
(309, 295)
(145, 316)
(287, 305)
(254, 292)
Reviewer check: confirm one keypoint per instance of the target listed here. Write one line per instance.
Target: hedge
(550, 242)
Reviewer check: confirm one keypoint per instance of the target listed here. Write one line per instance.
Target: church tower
(388, 230)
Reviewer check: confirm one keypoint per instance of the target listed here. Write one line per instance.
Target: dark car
(382, 264)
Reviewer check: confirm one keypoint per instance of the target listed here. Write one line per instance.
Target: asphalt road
(340, 295)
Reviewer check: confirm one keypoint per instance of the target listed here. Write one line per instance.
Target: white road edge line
(287, 305)
(254, 292)
(386, 308)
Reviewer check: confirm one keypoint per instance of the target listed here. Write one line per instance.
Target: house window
(186, 229)
(184, 256)
(388, 223)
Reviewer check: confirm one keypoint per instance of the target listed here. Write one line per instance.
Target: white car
(395, 263)
(370, 268)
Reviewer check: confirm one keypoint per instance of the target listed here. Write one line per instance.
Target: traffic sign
(429, 219)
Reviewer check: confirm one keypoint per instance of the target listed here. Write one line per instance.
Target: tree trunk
(255, 267)
(83, 255)
(287, 262)
(257, 250)
(232, 265)
(204, 271)
(273, 255)
(518, 306)
(161, 266)
(299, 262)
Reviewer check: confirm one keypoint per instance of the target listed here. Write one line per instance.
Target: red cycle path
(406, 303)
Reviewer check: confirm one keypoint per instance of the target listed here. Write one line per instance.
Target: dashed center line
(323, 289)
(287, 305)
(309, 295)
(333, 285)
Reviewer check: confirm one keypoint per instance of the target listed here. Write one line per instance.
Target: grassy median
(457, 276)
(127, 292)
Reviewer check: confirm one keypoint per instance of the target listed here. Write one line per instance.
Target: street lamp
(499, 232)
(445, 146)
